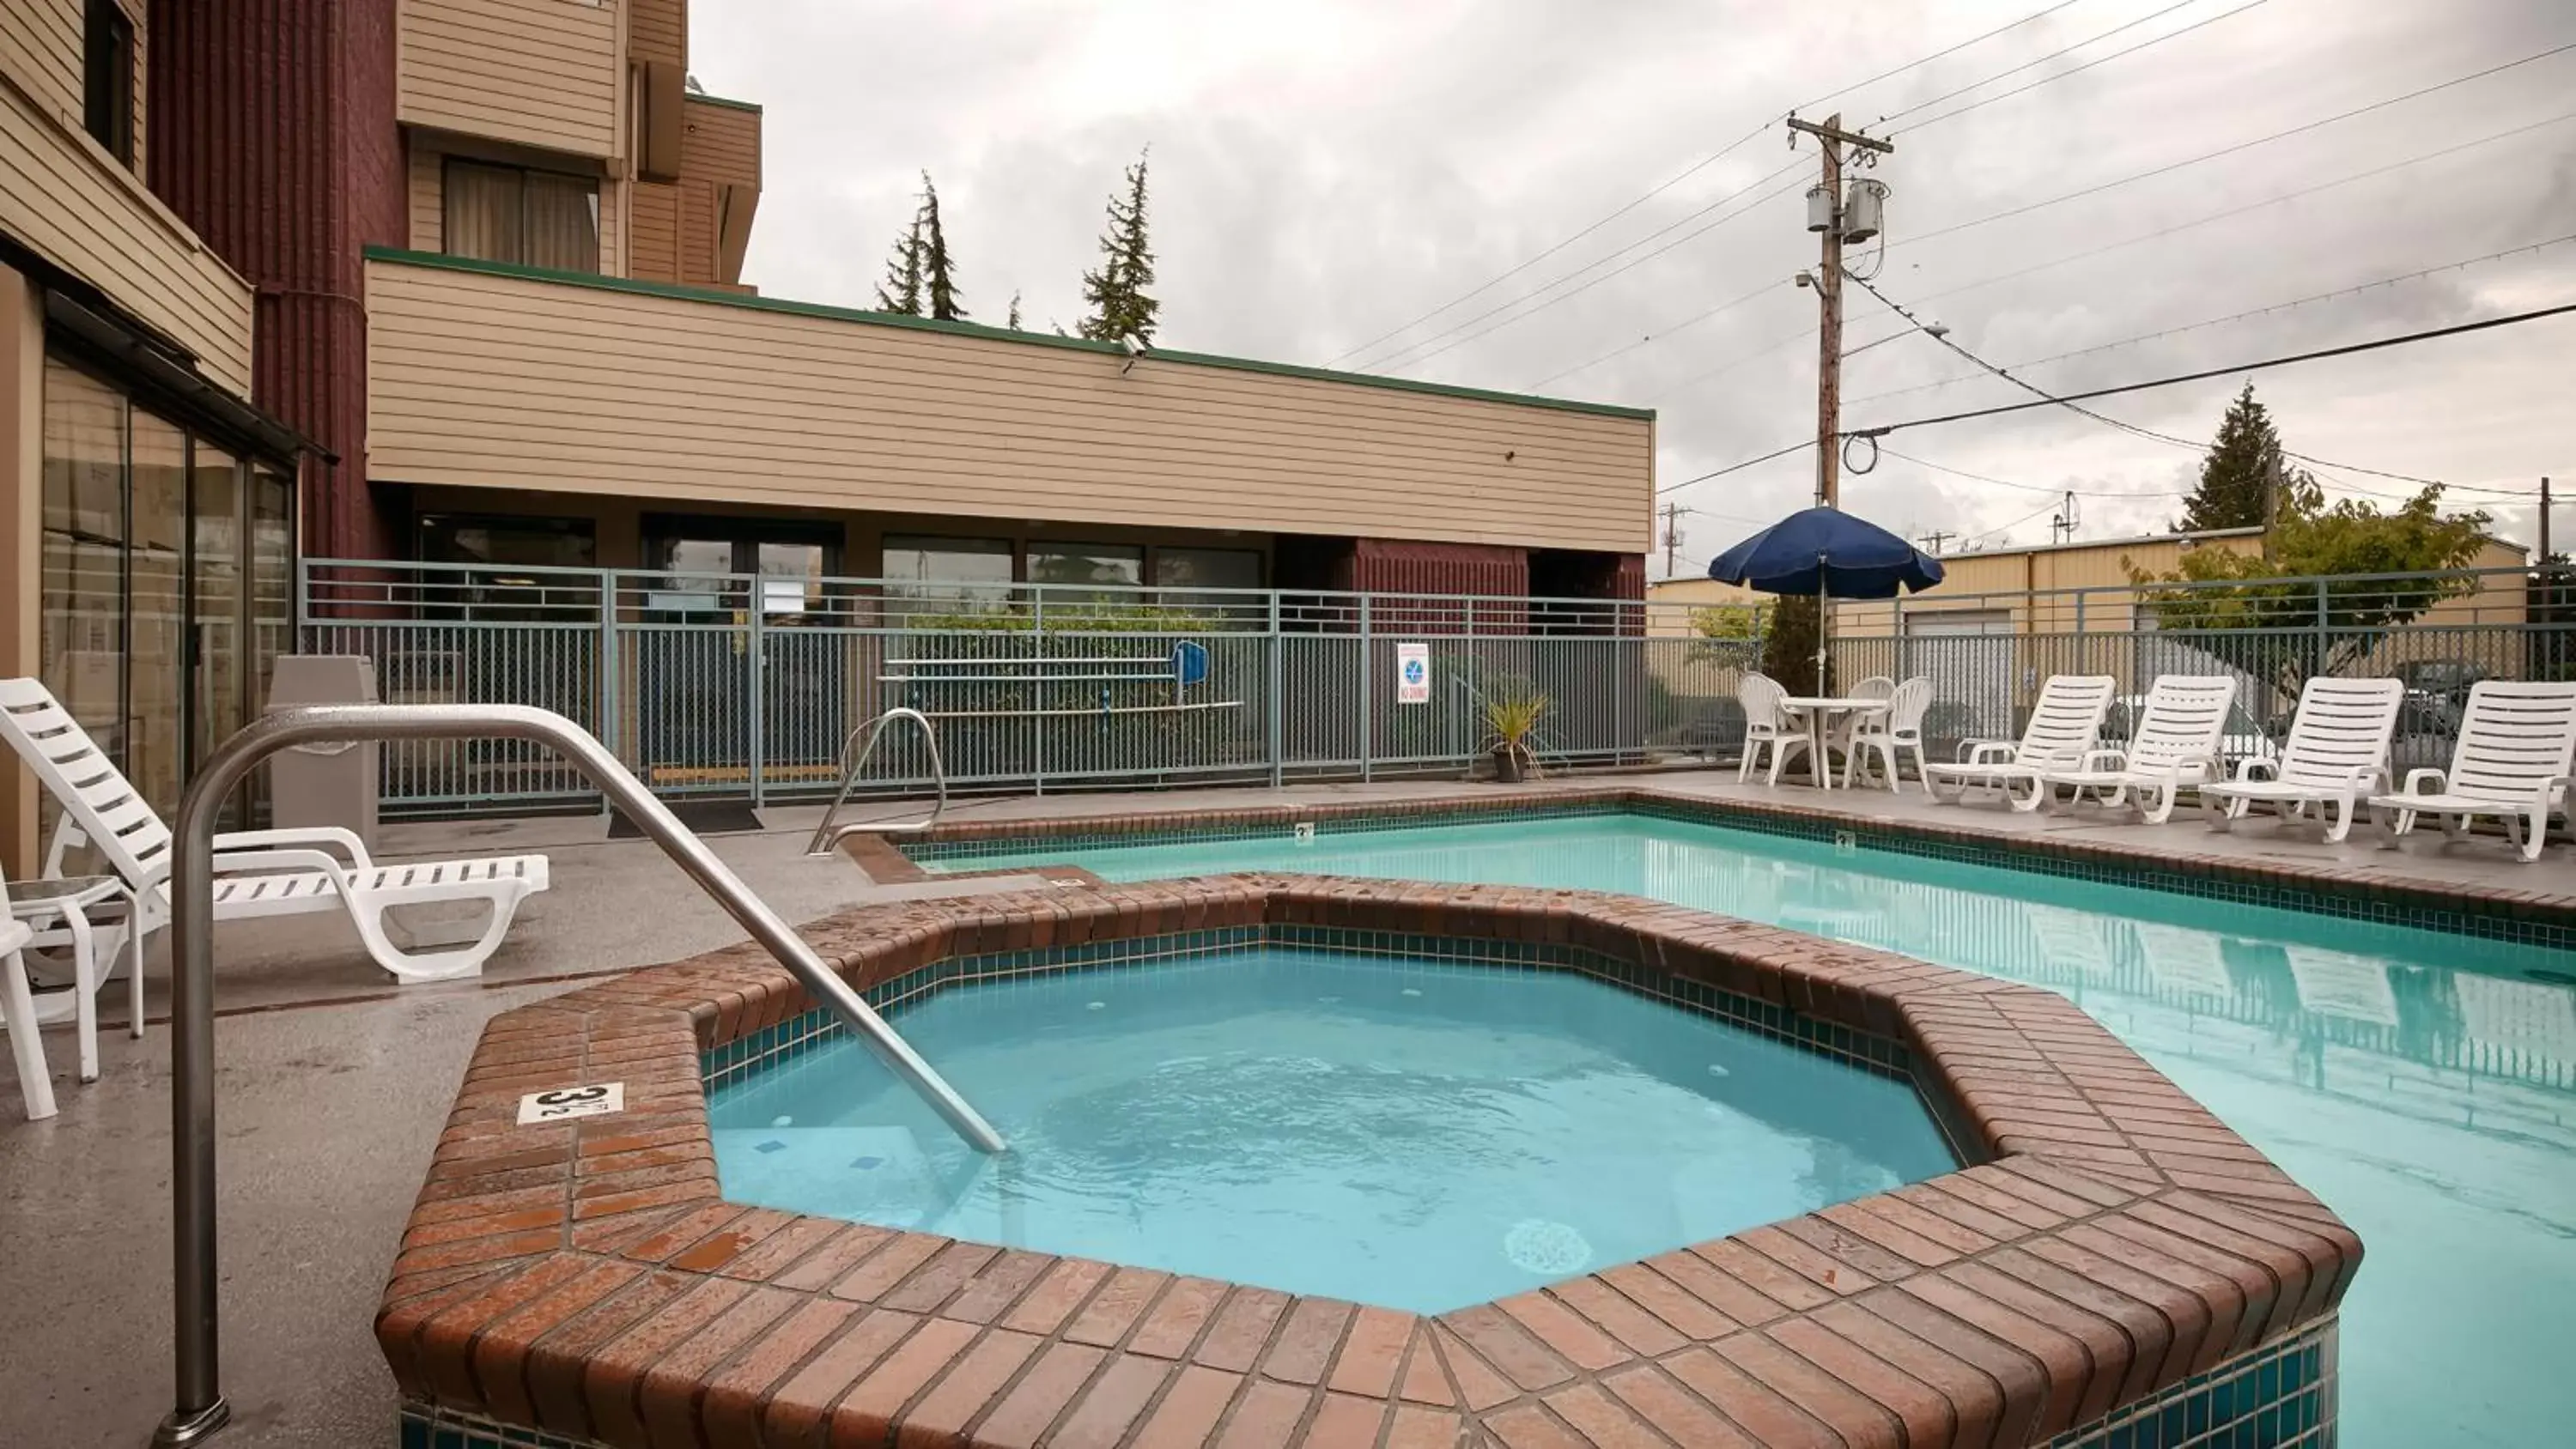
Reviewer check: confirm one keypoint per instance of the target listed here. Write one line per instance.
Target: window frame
(108, 63)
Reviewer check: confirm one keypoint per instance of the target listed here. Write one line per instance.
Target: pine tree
(1116, 291)
(2239, 470)
(901, 289)
(938, 272)
(1014, 322)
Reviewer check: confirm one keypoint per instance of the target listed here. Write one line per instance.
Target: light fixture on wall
(1135, 346)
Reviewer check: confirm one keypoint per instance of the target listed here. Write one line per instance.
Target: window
(511, 214)
(1207, 568)
(509, 579)
(107, 79)
(1086, 563)
(954, 569)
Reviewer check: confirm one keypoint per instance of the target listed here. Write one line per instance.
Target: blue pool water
(1411, 1135)
(2423, 1084)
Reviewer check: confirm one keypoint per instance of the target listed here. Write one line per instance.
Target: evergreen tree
(1116, 290)
(939, 278)
(1014, 322)
(2238, 471)
(901, 289)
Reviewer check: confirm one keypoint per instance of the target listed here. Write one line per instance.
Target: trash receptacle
(324, 784)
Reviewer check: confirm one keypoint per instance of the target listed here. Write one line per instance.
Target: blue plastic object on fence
(1189, 662)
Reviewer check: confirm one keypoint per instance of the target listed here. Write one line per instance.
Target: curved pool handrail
(828, 835)
(200, 1410)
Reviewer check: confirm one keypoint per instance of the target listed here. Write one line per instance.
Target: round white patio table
(1822, 713)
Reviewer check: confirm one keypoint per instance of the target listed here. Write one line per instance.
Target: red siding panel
(273, 136)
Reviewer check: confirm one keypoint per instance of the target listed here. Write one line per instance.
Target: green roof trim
(976, 329)
(725, 101)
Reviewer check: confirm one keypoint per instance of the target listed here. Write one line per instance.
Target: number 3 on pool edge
(567, 1101)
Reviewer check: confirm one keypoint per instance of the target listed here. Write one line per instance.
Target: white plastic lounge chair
(2062, 728)
(2337, 753)
(2516, 742)
(1900, 728)
(1764, 725)
(2175, 745)
(18, 1011)
(257, 872)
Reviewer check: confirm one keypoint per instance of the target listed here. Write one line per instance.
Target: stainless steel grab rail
(827, 835)
(200, 1410)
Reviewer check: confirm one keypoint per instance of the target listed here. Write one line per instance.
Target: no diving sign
(565, 1103)
(1412, 674)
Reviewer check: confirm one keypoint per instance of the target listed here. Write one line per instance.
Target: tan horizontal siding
(697, 231)
(428, 198)
(537, 72)
(488, 381)
(658, 30)
(62, 196)
(655, 254)
(720, 143)
(40, 49)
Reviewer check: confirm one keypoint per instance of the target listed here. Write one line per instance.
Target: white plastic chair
(1765, 725)
(2063, 726)
(1877, 686)
(18, 1012)
(2337, 752)
(257, 872)
(2175, 745)
(2516, 743)
(1900, 728)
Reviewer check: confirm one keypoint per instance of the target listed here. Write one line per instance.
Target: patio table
(1821, 712)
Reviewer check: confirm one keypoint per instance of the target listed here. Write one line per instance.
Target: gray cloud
(1325, 171)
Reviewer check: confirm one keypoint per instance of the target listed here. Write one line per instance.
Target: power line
(2163, 232)
(1798, 446)
(2354, 290)
(2088, 65)
(1694, 169)
(2009, 527)
(2127, 427)
(2026, 487)
(2348, 349)
(1723, 307)
(1390, 360)
(2173, 166)
(1951, 95)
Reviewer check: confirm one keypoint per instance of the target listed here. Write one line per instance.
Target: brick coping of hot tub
(588, 1278)
(2505, 909)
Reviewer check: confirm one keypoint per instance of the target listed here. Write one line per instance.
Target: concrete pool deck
(335, 1084)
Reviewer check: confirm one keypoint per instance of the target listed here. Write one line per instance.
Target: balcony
(541, 73)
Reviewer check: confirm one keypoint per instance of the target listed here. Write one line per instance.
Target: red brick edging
(588, 1277)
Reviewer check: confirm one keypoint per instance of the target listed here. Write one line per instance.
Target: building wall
(65, 197)
(658, 30)
(481, 378)
(277, 141)
(542, 73)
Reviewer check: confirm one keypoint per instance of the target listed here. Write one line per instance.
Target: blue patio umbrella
(1829, 553)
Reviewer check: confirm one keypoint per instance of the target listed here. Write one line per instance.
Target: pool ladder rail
(201, 1410)
(829, 834)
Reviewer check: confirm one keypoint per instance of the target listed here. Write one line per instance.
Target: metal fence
(743, 686)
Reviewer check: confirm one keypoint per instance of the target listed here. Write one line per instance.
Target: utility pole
(1672, 538)
(1831, 138)
(2544, 520)
(1933, 541)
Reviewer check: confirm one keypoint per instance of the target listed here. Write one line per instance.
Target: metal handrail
(827, 835)
(201, 1410)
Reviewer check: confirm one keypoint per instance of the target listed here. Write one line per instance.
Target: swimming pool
(1380, 1130)
(2423, 1084)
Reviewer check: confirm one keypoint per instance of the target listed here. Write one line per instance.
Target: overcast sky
(1326, 171)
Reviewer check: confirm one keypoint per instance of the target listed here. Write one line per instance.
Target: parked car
(2437, 691)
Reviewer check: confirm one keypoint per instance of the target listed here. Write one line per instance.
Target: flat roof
(979, 330)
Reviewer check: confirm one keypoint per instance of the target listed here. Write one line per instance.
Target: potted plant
(1511, 722)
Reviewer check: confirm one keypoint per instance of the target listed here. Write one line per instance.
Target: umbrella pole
(1821, 617)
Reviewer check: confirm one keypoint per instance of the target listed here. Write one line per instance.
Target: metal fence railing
(744, 686)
